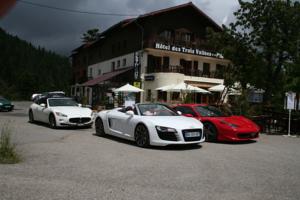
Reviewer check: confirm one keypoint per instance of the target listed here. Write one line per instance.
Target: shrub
(8, 154)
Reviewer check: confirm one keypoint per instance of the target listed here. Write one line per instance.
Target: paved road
(75, 164)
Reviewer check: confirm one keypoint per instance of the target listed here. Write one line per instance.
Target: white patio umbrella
(128, 88)
(217, 88)
(186, 88)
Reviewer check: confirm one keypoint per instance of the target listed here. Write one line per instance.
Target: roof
(127, 22)
(189, 4)
(105, 77)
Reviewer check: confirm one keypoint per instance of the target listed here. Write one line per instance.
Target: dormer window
(166, 34)
(187, 37)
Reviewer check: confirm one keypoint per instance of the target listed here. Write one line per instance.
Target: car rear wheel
(52, 121)
(141, 136)
(211, 132)
(30, 115)
(99, 127)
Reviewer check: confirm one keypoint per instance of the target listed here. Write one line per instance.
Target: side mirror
(130, 112)
(43, 105)
(79, 105)
(179, 113)
(188, 115)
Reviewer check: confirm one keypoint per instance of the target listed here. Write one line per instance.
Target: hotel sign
(187, 50)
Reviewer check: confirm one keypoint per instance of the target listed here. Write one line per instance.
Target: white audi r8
(60, 112)
(149, 124)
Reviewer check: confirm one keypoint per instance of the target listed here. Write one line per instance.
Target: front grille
(189, 139)
(80, 120)
(247, 135)
(170, 136)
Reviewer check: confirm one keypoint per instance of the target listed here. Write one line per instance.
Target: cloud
(61, 31)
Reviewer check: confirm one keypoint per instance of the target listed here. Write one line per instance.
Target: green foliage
(25, 69)
(91, 35)
(262, 45)
(8, 154)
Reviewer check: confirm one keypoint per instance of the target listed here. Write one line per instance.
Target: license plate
(192, 134)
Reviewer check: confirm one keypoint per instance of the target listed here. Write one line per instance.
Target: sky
(61, 31)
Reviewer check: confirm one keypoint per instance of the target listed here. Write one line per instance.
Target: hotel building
(156, 49)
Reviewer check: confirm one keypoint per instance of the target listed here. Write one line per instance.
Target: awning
(105, 77)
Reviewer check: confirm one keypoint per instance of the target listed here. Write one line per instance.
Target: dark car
(5, 105)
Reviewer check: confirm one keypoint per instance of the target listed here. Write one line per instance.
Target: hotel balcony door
(166, 64)
(187, 66)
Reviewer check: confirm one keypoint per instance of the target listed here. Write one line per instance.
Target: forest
(26, 69)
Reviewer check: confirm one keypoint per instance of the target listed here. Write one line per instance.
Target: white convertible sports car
(149, 124)
(60, 112)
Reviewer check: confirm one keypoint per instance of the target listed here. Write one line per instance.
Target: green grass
(8, 153)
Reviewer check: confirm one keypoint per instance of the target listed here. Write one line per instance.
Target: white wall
(106, 66)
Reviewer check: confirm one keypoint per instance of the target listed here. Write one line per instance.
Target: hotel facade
(154, 50)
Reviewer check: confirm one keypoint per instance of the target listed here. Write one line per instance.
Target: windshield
(62, 102)
(155, 110)
(3, 100)
(209, 111)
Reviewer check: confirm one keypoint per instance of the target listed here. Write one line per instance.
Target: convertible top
(55, 94)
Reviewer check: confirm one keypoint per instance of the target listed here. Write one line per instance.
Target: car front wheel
(99, 127)
(52, 121)
(141, 136)
(211, 133)
(31, 118)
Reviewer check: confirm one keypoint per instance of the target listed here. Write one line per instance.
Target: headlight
(61, 114)
(229, 124)
(1, 104)
(165, 129)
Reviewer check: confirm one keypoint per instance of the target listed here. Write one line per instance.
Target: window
(161, 95)
(166, 62)
(195, 69)
(186, 110)
(124, 62)
(118, 63)
(154, 63)
(206, 69)
(220, 71)
(91, 72)
(113, 66)
(167, 34)
(148, 96)
(99, 71)
(187, 37)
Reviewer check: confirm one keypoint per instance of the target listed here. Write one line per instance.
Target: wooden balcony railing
(185, 71)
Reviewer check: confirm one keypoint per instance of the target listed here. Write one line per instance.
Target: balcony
(196, 43)
(186, 71)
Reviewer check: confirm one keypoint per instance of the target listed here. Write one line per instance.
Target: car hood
(239, 121)
(73, 111)
(178, 122)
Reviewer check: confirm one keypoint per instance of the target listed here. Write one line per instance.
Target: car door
(43, 111)
(119, 123)
(34, 107)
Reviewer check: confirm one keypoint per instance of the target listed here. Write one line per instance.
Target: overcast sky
(61, 31)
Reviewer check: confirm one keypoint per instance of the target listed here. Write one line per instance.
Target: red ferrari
(218, 126)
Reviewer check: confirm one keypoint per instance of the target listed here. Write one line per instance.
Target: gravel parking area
(76, 164)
